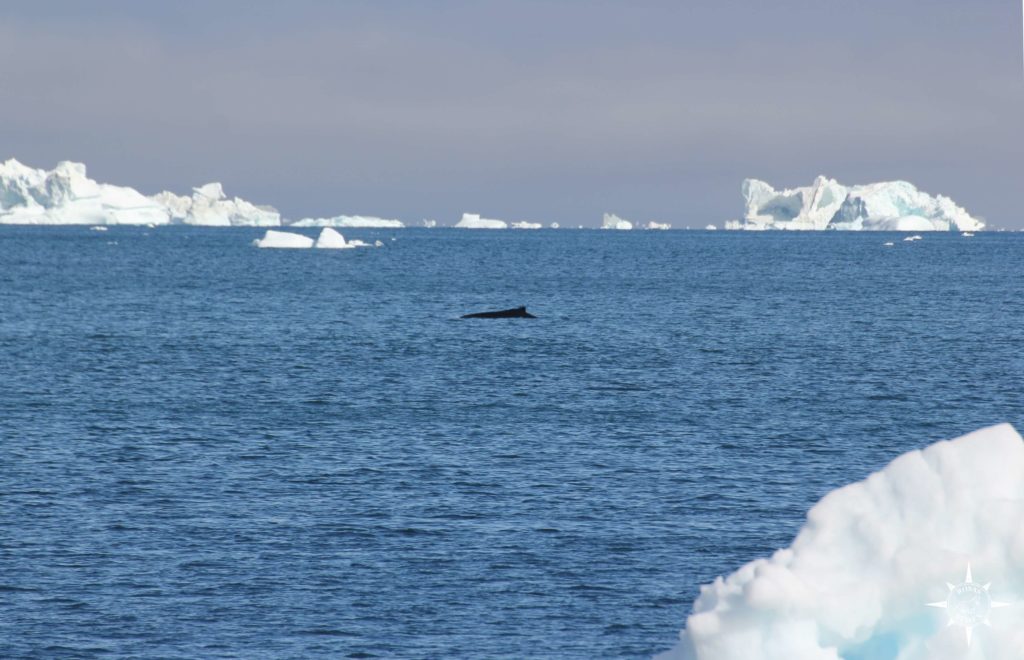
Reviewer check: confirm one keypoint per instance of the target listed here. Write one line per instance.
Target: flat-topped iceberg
(363, 221)
(828, 204)
(283, 240)
(526, 225)
(474, 221)
(612, 221)
(910, 563)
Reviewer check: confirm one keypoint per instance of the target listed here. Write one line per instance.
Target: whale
(516, 313)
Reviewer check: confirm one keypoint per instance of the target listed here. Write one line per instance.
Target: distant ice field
(212, 450)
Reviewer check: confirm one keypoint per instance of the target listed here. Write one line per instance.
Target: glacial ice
(526, 225)
(857, 582)
(209, 206)
(367, 221)
(474, 221)
(828, 204)
(612, 221)
(331, 238)
(66, 196)
(283, 239)
(658, 225)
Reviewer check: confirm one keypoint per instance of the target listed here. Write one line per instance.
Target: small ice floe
(888, 244)
(526, 225)
(710, 228)
(554, 225)
(98, 228)
(283, 239)
(967, 234)
(378, 243)
(151, 225)
(658, 225)
(915, 237)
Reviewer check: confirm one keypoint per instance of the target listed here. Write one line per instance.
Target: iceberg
(910, 563)
(331, 238)
(658, 225)
(474, 221)
(828, 204)
(284, 239)
(209, 206)
(711, 228)
(526, 225)
(66, 196)
(554, 225)
(428, 223)
(612, 221)
(366, 221)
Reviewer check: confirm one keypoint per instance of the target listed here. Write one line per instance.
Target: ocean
(209, 450)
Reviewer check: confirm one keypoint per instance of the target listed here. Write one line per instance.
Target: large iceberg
(283, 239)
(209, 206)
(474, 221)
(612, 221)
(828, 204)
(923, 560)
(350, 221)
(66, 196)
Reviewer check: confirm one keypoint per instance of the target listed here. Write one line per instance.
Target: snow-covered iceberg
(367, 221)
(66, 196)
(612, 221)
(828, 204)
(474, 221)
(284, 239)
(209, 206)
(882, 567)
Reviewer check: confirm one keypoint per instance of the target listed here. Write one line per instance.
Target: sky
(525, 110)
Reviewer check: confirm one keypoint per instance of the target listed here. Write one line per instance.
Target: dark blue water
(210, 450)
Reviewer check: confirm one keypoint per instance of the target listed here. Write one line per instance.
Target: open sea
(209, 450)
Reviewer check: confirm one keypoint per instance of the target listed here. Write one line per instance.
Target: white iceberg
(711, 228)
(429, 224)
(526, 225)
(209, 206)
(284, 239)
(474, 221)
(66, 196)
(883, 566)
(331, 238)
(554, 225)
(658, 225)
(828, 204)
(367, 221)
(612, 221)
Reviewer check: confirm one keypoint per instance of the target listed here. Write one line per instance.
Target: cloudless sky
(547, 111)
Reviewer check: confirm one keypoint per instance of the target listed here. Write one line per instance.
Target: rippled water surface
(210, 450)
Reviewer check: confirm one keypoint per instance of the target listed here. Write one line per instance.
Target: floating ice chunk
(827, 204)
(888, 244)
(967, 234)
(209, 206)
(554, 225)
(855, 582)
(98, 228)
(612, 221)
(657, 225)
(474, 221)
(66, 196)
(379, 243)
(711, 228)
(331, 239)
(526, 225)
(912, 238)
(283, 239)
(429, 224)
(349, 221)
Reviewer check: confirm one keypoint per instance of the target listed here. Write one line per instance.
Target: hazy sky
(521, 110)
